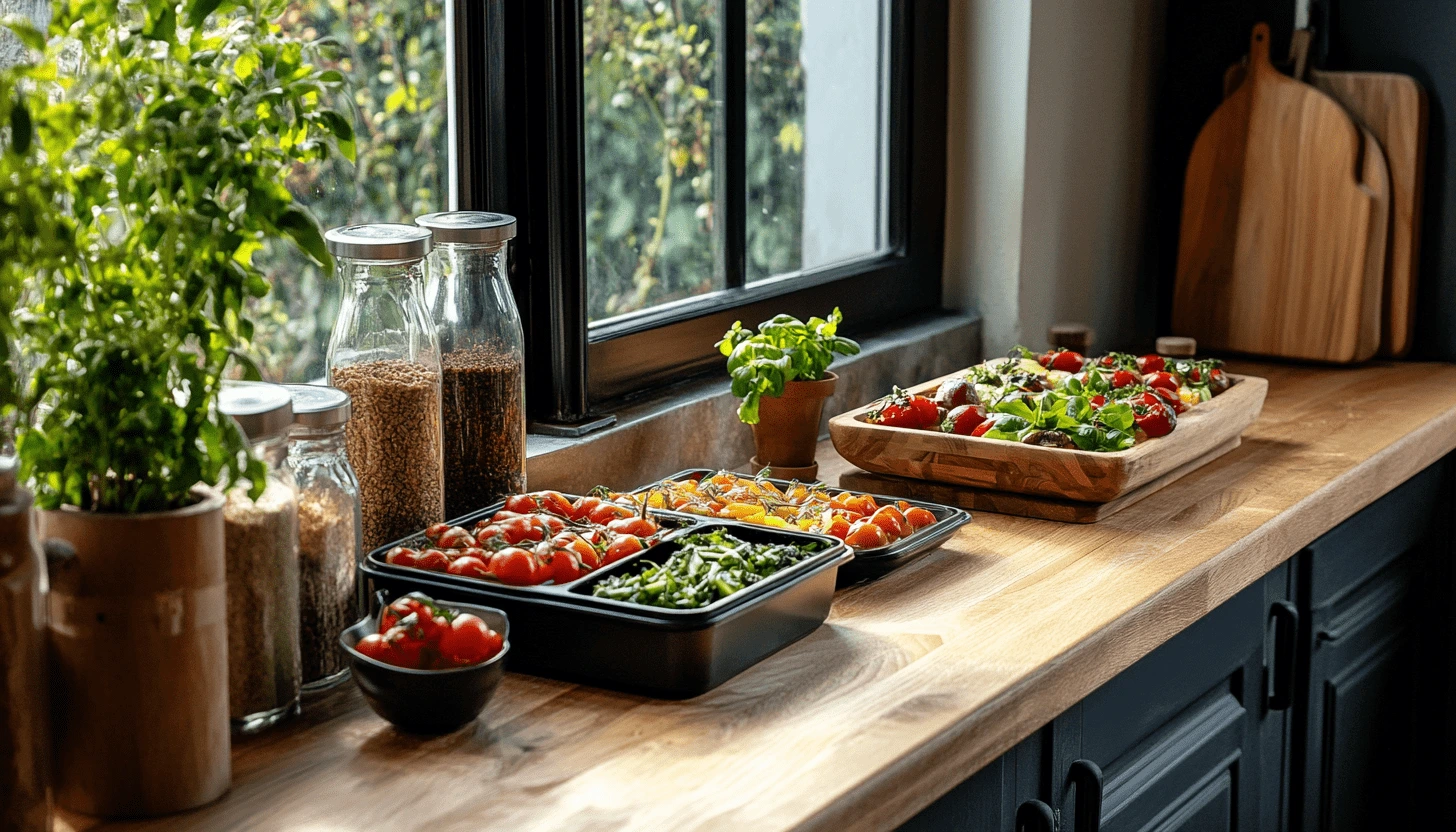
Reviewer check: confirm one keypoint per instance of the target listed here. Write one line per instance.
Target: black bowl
(428, 701)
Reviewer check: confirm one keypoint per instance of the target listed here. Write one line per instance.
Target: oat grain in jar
(384, 353)
(481, 346)
(329, 533)
(261, 537)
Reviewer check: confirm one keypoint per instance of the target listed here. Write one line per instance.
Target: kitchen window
(675, 165)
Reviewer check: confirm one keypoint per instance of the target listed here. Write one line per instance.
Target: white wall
(39, 11)
(1048, 147)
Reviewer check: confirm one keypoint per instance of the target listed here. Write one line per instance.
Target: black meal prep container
(868, 564)
(567, 633)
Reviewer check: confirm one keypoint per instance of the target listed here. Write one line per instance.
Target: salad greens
(707, 567)
(1070, 410)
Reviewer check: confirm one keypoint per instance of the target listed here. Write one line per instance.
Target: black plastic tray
(571, 634)
(868, 564)
(670, 522)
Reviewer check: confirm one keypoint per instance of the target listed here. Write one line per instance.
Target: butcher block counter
(917, 680)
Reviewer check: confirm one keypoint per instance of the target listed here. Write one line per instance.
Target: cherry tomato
(590, 557)
(469, 641)
(866, 535)
(564, 565)
(375, 647)
(1161, 379)
(522, 529)
(607, 512)
(955, 392)
(1170, 398)
(1098, 400)
(455, 538)
(469, 566)
(904, 410)
(1154, 420)
(520, 504)
(984, 428)
(433, 560)
(515, 566)
(1124, 378)
(405, 649)
(919, 517)
(1067, 361)
(401, 556)
(891, 520)
(965, 419)
(622, 546)
(433, 533)
(581, 510)
(640, 526)
(836, 525)
(553, 502)
(550, 522)
(1151, 363)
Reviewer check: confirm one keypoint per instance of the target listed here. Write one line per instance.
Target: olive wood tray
(1083, 476)
(1021, 505)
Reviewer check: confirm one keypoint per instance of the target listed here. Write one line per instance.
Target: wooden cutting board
(1283, 233)
(1394, 108)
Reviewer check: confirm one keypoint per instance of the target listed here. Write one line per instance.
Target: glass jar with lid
(481, 354)
(384, 353)
(329, 535)
(261, 537)
(25, 797)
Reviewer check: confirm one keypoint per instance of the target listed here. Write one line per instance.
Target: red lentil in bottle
(384, 353)
(481, 355)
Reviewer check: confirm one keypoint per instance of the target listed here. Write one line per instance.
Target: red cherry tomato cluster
(417, 633)
(1068, 361)
(860, 521)
(536, 538)
(906, 410)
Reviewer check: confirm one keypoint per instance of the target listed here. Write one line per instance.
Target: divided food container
(868, 564)
(567, 633)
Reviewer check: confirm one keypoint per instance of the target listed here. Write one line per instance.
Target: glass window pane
(653, 111)
(816, 139)
(393, 53)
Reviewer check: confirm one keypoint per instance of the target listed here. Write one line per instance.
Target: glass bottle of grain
(384, 353)
(261, 535)
(329, 534)
(481, 348)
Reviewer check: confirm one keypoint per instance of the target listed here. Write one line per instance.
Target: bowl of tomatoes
(428, 667)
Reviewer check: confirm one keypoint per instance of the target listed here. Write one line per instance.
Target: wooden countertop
(916, 681)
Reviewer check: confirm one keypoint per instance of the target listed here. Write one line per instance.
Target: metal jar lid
(319, 406)
(379, 241)
(260, 409)
(469, 226)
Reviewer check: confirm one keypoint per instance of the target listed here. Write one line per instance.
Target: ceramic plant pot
(787, 432)
(139, 659)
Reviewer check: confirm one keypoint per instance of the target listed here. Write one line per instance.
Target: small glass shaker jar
(329, 535)
(25, 795)
(384, 353)
(262, 564)
(481, 352)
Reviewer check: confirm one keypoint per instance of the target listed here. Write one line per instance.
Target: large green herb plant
(784, 349)
(149, 143)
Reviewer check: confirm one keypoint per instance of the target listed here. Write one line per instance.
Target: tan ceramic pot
(138, 632)
(787, 432)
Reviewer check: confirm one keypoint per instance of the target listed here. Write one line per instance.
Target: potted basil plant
(147, 146)
(781, 372)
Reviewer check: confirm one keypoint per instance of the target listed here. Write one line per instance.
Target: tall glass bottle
(482, 348)
(384, 353)
(25, 796)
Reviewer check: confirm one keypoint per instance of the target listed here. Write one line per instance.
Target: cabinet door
(1179, 736)
(989, 799)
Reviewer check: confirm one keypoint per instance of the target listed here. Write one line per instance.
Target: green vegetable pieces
(707, 567)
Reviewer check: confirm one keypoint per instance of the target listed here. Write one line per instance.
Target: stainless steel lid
(319, 406)
(469, 226)
(260, 409)
(379, 241)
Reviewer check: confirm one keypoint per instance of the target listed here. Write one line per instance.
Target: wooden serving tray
(1021, 505)
(1083, 476)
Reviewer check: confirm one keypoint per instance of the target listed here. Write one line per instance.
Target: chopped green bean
(706, 567)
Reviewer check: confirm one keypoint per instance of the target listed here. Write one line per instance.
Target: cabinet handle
(1286, 642)
(1035, 816)
(1087, 777)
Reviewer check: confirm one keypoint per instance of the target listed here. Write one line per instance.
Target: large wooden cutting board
(1084, 476)
(1281, 209)
(1393, 107)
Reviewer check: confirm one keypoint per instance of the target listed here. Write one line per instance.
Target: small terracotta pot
(138, 633)
(787, 432)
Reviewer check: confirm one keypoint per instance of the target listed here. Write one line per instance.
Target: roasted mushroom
(1048, 439)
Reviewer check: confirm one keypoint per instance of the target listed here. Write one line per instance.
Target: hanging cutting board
(1283, 224)
(1394, 109)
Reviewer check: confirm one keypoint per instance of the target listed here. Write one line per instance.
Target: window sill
(696, 425)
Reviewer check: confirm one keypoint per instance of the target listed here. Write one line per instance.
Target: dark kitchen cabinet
(1313, 700)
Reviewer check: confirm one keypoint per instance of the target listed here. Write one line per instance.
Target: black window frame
(518, 120)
